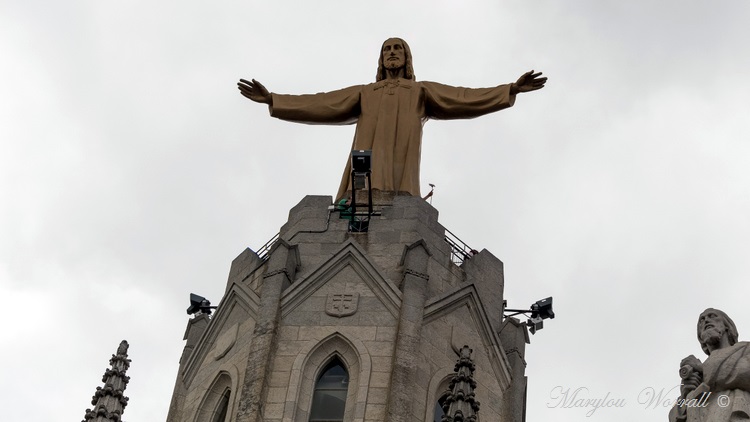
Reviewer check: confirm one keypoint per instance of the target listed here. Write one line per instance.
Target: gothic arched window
(216, 405)
(439, 409)
(329, 397)
(220, 413)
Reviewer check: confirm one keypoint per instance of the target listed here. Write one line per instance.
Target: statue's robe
(726, 372)
(389, 115)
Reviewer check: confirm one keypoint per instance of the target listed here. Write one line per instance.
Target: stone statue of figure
(718, 389)
(390, 113)
(122, 349)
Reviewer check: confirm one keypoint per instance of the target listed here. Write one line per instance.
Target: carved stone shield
(342, 304)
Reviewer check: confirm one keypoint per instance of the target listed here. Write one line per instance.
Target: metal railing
(460, 251)
(265, 249)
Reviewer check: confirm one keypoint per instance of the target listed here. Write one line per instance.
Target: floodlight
(535, 324)
(199, 304)
(543, 309)
(361, 167)
(361, 161)
(540, 310)
(361, 174)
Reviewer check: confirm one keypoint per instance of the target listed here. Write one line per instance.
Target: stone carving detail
(109, 401)
(717, 389)
(342, 304)
(417, 274)
(122, 349)
(460, 401)
(225, 342)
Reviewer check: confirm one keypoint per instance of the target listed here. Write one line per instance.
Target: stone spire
(109, 401)
(460, 402)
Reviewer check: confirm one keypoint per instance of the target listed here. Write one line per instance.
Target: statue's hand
(690, 384)
(691, 373)
(528, 82)
(255, 91)
(693, 362)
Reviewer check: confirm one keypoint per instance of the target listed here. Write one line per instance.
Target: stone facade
(389, 304)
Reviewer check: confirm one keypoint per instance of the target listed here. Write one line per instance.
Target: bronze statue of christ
(390, 113)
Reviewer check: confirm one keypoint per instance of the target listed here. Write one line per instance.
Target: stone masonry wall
(359, 298)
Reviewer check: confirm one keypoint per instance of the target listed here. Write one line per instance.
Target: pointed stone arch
(239, 304)
(222, 390)
(438, 385)
(308, 365)
(467, 298)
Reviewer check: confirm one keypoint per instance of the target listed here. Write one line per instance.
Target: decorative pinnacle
(108, 401)
(460, 401)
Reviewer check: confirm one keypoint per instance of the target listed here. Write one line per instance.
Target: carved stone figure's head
(712, 324)
(394, 54)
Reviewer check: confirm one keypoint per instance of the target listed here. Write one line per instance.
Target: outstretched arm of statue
(528, 82)
(255, 91)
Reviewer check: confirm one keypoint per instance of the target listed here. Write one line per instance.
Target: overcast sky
(132, 172)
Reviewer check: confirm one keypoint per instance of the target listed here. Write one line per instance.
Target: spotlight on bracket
(361, 161)
(361, 167)
(199, 304)
(543, 309)
(539, 310)
(535, 324)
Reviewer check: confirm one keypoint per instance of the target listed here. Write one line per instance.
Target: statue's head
(395, 53)
(712, 325)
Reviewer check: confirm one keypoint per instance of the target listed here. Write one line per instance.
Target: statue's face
(711, 324)
(394, 56)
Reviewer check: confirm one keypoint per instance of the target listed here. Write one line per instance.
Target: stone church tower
(333, 325)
